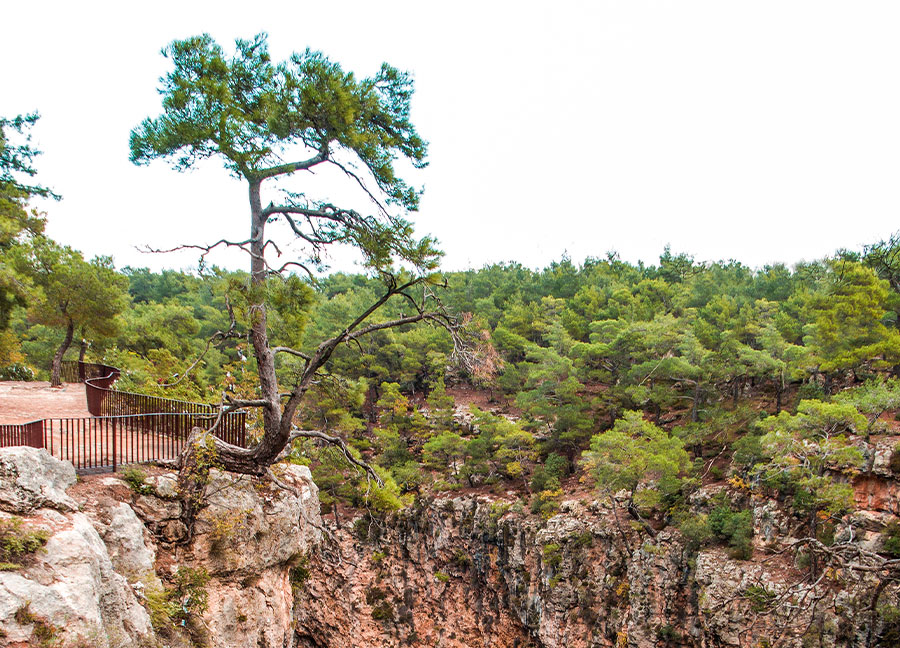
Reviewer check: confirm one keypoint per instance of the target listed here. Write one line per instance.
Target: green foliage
(804, 448)
(847, 325)
(382, 610)
(636, 452)
(16, 371)
(733, 527)
(760, 598)
(548, 476)
(891, 540)
(306, 101)
(299, 574)
(41, 629)
(136, 480)
(552, 555)
(873, 399)
(17, 542)
(189, 590)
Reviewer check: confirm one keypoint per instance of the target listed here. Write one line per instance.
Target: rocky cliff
(107, 563)
(481, 571)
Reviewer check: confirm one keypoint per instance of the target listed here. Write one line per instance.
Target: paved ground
(21, 402)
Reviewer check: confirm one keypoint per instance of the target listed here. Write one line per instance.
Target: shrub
(441, 576)
(734, 527)
(760, 598)
(810, 391)
(696, 531)
(190, 589)
(16, 542)
(552, 555)
(16, 371)
(41, 629)
(891, 537)
(137, 481)
(299, 574)
(461, 559)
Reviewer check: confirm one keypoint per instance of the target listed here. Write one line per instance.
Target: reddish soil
(21, 402)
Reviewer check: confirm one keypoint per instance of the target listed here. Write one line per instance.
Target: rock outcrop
(481, 571)
(119, 569)
(69, 592)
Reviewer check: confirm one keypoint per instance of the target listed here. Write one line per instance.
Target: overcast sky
(759, 131)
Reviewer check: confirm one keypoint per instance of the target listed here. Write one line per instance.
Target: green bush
(16, 542)
(760, 598)
(810, 391)
(735, 528)
(891, 537)
(549, 475)
(136, 480)
(696, 531)
(552, 555)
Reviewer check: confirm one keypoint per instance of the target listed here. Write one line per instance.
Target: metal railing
(125, 427)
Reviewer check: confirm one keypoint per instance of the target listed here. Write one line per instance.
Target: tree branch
(291, 167)
(339, 442)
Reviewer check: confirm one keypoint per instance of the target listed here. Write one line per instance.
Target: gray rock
(73, 588)
(31, 478)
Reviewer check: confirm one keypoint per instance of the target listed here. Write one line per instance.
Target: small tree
(253, 114)
(71, 293)
(18, 222)
(806, 452)
(632, 453)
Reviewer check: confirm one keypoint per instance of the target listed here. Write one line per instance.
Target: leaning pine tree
(268, 121)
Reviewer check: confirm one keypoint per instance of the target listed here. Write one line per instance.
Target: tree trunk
(779, 389)
(695, 410)
(56, 367)
(276, 431)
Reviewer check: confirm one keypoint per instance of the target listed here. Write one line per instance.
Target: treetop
(252, 112)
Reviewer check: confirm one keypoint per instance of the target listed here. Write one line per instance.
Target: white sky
(760, 131)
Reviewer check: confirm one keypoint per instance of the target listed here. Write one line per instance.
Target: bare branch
(218, 336)
(299, 354)
(362, 184)
(339, 442)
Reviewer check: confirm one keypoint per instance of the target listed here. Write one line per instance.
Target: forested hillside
(729, 368)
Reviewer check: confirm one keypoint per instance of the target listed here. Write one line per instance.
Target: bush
(16, 542)
(552, 555)
(136, 480)
(810, 391)
(696, 531)
(891, 537)
(734, 527)
(549, 476)
(16, 371)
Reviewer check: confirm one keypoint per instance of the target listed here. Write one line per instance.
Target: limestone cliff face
(69, 592)
(476, 571)
(471, 571)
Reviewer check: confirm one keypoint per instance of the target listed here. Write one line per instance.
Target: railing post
(114, 445)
